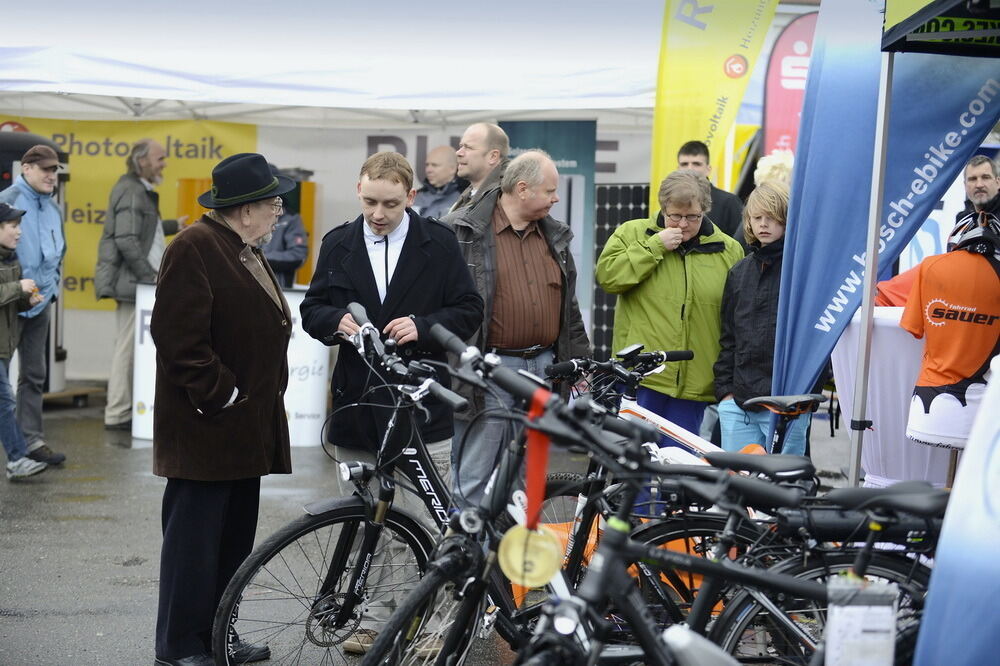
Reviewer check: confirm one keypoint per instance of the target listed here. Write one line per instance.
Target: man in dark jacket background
(441, 186)
(522, 266)
(289, 245)
(982, 187)
(727, 210)
(130, 251)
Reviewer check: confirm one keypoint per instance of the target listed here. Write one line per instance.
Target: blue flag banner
(965, 584)
(942, 107)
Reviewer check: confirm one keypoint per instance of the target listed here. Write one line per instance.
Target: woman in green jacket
(669, 273)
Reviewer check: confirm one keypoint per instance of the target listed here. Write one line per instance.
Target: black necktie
(385, 241)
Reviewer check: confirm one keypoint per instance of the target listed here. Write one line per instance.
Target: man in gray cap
(40, 251)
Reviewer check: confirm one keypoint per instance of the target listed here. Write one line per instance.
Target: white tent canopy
(445, 55)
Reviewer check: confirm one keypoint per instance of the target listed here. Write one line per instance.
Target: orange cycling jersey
(955, 303)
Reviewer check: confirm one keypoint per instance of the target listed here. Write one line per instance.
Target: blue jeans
(10, 433)
(687, 414)
(31, 352)
(475, 451)
(740, 428)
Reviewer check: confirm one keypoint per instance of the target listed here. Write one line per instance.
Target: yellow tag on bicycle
(530, 558)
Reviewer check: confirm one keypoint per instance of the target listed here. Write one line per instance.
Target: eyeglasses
(277, 205)
(692, 218)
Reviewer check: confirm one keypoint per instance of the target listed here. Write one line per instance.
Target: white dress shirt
(383, 253)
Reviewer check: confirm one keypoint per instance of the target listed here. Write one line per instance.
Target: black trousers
(208, 530)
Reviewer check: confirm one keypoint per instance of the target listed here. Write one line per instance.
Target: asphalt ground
(80, 543)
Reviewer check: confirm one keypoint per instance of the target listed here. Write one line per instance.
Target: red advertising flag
(785, 86)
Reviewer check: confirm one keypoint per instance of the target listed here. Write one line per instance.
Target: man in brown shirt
(520, 260)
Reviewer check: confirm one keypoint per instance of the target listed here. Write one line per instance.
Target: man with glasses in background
(40, 252)
(129, 251)
(669, 272)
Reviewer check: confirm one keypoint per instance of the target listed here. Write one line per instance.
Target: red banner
(785, 86)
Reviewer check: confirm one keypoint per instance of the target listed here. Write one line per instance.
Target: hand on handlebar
(402, 330)
(347, 325)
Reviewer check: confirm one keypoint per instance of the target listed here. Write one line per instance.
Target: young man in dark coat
(221, 328)
(409, 274)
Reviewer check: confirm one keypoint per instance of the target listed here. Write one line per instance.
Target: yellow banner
(706, 55)
(897, 11)
(97, 153)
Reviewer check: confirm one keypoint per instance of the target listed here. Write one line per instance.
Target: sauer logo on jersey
(939, 313)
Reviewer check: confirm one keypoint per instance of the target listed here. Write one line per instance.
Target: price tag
(530, 558)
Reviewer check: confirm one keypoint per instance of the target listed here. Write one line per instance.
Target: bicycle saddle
(788, 404)
(776, 467)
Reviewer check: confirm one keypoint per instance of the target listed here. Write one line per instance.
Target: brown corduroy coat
(220, 322)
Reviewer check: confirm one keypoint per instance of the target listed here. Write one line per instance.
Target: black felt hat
(243, 178)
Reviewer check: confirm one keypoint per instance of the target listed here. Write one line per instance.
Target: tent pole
(859, 422)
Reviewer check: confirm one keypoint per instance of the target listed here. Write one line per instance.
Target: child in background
(16, 294)
(749, 318)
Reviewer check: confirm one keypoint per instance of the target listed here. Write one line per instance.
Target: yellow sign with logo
(707, 52)
(97, 152)
(897, 11)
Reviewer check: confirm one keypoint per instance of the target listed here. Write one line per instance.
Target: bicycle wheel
(669, 594)
(420, 627)
(274, 598)
(558, 512)
(748, 630)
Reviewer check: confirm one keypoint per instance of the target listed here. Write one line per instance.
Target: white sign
(308, 374)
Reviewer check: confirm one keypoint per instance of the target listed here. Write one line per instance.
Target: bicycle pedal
(489, 619)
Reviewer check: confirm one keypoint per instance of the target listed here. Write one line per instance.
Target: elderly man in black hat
(221, 328)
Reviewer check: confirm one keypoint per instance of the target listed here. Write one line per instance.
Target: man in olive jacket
(221, 328)
(130, 251)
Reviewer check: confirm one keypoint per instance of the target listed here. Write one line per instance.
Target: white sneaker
(24, 467)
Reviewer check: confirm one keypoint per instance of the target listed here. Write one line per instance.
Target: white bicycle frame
(683, 446)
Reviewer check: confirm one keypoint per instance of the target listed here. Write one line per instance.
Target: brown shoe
(360, 642)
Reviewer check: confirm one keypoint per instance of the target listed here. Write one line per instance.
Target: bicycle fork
(338, 563)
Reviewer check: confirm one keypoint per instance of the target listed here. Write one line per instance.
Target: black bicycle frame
(415, 463)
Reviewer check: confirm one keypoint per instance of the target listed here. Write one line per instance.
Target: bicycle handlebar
(448, 397)
(448, 340)
(507, 379)
(642, 363)
(567, 368)
(371, 334)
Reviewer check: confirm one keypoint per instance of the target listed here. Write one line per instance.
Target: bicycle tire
(407, 638)
(746, 630)
(272, 597)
